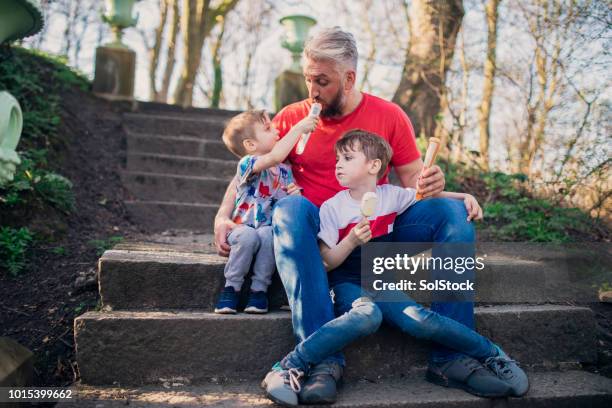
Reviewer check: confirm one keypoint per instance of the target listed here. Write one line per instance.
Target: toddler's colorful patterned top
(256, 193)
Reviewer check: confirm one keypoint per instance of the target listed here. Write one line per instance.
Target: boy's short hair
(239, 128)
(373, 147)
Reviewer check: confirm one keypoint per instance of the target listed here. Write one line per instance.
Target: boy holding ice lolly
(354, 216)
(362, 159)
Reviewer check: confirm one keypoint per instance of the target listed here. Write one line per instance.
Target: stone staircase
(156, 342)
(177, 167)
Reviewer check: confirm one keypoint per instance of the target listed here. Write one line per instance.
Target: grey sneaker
(321, 385)
(469, 375)
(283, 385)
(509, 371)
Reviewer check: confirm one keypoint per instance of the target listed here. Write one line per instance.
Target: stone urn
(11, 124)
(115, 68)
(18, 19)
(119, 16)
(289, 85)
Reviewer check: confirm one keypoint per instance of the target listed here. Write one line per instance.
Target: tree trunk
(217, 68)
(197, 21)
(457, 153)
(433, 32)
(547, 69)
(484, 113)
(162, 95)
(155, 50)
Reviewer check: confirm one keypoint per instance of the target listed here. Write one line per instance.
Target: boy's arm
(283, 147)
(334, 256)
(471, 204)
(448, 194)
(223, 223)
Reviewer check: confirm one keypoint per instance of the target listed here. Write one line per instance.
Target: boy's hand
(222, 229)
(473, 208)
(361, 233)
(308, 124)
(294, 189)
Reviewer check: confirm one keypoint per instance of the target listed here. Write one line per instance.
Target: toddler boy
(261, 180)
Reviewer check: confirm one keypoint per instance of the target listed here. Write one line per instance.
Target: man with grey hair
(330, 64)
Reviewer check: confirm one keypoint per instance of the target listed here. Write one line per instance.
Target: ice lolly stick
(315, 110)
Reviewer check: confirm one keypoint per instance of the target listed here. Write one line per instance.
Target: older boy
(361, 159)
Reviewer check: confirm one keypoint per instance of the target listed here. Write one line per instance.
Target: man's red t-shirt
(314, 169)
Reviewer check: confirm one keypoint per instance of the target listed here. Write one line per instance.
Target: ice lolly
(315, 110)
(368, 204)
(430, 158)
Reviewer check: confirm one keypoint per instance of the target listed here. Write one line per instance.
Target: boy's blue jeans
(296, 225)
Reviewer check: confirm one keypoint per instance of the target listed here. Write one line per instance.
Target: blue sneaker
(508, 370)
(470, 375)
(228, 301)
(258, 303)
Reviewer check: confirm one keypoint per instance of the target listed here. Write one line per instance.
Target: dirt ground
(38, 307)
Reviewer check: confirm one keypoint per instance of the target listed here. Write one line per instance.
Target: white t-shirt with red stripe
(341, 213)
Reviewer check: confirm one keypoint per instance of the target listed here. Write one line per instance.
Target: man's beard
(334, 108)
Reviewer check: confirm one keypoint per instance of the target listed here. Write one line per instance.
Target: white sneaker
(283, 386)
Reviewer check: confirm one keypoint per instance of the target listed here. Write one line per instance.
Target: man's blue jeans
(296, 225)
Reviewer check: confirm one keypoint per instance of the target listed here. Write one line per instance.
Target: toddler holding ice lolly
(261, 180)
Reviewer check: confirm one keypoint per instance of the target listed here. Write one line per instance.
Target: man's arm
(409, 173)
(223, 223)
(431, 183)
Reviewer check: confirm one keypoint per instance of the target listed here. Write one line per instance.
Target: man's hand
(294, 189)
(431, 181)
(473, 208)
(223, 226)
(361, 233)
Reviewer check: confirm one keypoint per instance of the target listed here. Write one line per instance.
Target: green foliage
(102, 245)
(504, 185)
(36, 80)
(33, 182)
(515, 216)
(14, 244)
(510, 211)
(605, 287)
(59, 250)
(57, 190)
(452, 176)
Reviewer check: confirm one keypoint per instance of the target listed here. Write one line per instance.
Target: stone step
(156, 108)
(161, 278)
(142, 275)
(210, 128)
(548, 389)
(142, 347)
(157, 216)
(180, 165)
(162, 187)
(177, 145)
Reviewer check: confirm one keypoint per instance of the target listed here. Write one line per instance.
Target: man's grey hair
(333, 44)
